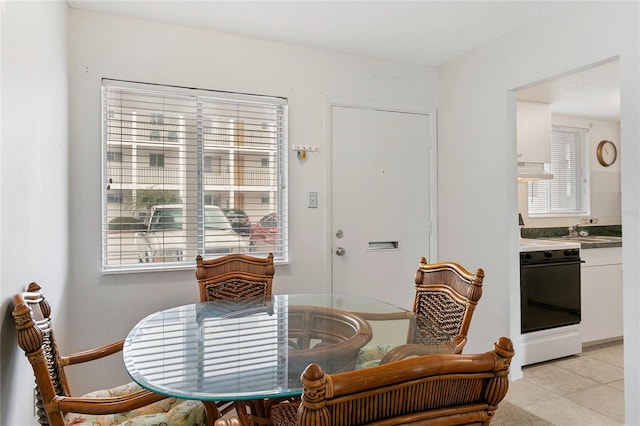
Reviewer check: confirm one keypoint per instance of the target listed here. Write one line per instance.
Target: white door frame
(433, 173)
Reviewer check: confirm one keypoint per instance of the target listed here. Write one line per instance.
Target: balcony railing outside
(147, 132)
(127, 127)
(169, 133)
(165, 175)
(144, 175)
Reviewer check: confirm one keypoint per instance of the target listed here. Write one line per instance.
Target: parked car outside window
(264, 234)
(239, 221)
(165, 238)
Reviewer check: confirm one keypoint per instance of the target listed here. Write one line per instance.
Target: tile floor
(581, 390)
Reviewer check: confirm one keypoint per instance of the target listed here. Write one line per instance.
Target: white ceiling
(421, 32)
(592, 93)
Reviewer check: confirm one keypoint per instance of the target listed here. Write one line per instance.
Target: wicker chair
(234, 276)
(56, 406)
(437, 389)
(447, 294)
(230, 277)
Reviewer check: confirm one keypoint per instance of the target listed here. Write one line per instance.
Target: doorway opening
(587, 102)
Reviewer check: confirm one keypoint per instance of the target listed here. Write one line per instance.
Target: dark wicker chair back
(437, 389)
(463, 389)
(447, 294)
(234, 276)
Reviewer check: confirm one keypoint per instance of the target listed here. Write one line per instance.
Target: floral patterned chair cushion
(168, 412)
(370, 356)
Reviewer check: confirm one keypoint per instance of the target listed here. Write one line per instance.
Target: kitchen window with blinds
(568, 192)
(189, 172)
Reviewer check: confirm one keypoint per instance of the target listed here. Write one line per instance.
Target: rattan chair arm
(119, 404)
(460, 342)
(92, 354)
(228, 421)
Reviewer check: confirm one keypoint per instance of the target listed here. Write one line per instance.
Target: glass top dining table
(249, 349)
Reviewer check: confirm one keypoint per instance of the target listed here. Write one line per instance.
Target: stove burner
(549, 256)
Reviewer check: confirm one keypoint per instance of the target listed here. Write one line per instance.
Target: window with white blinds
(190, 172)
(568, 192)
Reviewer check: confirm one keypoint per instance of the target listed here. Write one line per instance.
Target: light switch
(313, 200)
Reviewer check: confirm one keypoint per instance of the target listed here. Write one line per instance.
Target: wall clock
(606, 153)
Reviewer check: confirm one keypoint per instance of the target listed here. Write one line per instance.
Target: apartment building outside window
(175, 160)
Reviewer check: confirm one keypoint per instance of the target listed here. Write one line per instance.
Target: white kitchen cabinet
(533, 128)
(601, 294)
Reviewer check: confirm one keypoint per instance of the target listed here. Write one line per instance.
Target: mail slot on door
(382, 245)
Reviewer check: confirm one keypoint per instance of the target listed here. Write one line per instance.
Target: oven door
(549, 295)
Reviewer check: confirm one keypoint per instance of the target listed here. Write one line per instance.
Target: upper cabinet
(533, 132)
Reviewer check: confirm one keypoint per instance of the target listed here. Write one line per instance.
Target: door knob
(340, 251)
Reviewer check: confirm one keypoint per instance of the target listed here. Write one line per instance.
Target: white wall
(119, 48)
(477, 161)
(605, 188)
(33, 178)
(478, 203)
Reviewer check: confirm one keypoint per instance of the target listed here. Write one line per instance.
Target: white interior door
(381, 198)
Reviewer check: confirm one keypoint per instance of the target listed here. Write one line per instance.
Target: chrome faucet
(574, 231)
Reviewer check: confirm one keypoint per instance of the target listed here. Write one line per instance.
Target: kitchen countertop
(533, 244)
(591, 241)
(600, 236)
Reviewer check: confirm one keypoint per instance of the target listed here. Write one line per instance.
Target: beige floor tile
(557, 380)
(589, 367)
(603, 399)
(618, 343)
(618, 384)
(564, 412)
(613, 356)
(584, 390)
(524, 392)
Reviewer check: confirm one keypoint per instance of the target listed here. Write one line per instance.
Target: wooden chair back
(32, 314)
(54, 402)
(449, 389)
(233, 276)
(447, 294)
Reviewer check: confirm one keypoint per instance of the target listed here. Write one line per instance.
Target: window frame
(540, 198)
(196, 194)
(156, 159)
(114, 156)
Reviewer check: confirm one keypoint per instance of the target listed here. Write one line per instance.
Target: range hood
(533, 138)
(532, 171)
